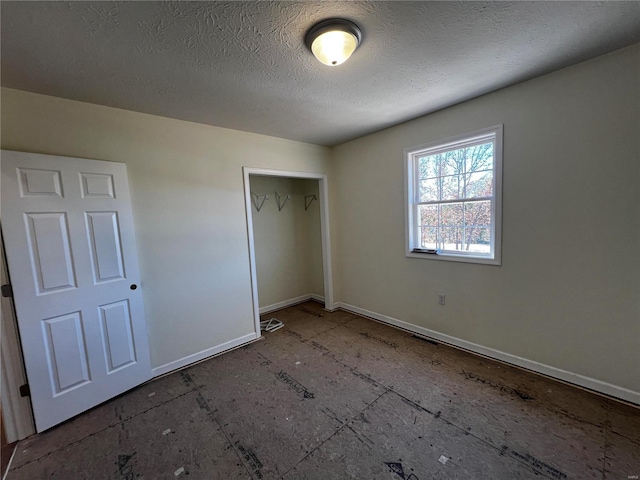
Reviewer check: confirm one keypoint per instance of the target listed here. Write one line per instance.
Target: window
(454, 198)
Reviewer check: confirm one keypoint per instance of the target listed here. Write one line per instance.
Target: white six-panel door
(72, 259)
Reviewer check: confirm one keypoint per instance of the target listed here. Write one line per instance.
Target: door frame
(323, 200)
(17, 415)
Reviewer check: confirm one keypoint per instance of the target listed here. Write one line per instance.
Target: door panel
(71, 253)
(104, 240)
(39, 183)
(50, 251)
(97, 185)
(117, 334)
(66, 352)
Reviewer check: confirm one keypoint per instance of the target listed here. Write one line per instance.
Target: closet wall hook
(282, 199)
(308, 200)
(258, 200)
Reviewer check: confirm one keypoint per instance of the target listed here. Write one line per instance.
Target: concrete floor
(337, 396)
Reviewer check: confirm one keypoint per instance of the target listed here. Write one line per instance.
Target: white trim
(204, 354)
(327, 269)
(323, 200)
(318, 298)
(13, 454)
(557, 373)
(252, 253)
(284, 304)
(292, 301)
(17, 415)
(452, 258)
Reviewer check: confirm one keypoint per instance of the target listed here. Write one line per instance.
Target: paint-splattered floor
(337, 396)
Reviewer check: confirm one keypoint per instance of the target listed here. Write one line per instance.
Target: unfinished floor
(337, 396)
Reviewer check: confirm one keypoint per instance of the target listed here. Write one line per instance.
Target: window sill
(453, 258)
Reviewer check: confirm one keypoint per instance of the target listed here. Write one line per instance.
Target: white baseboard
(317, 298)
(290, 302)
(573, 378)
(209, 352)
(196, 357)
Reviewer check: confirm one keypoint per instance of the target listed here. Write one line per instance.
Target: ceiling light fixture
(333, 41)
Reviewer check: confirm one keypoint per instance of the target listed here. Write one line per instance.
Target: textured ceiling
(243, 65)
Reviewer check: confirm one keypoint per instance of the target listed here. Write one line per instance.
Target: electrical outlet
(442, 299)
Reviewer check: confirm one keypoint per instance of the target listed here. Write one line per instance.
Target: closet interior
(287, 240)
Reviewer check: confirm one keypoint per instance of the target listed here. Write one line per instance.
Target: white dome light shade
(333, 41)
(334, 48)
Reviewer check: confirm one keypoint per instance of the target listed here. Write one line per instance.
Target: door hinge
(7, 291)
(24, 390)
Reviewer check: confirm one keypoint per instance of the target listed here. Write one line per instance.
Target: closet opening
(288, 233)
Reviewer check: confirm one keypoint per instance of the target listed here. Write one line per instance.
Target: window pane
(478, 239)
(428, 237)
(451, 215)
(477, 214)
(479, 184)
(452, 187)
(428, 190)
(450, 238)
(453, 163)
(428, 166)
(427, 215)
(479, 157)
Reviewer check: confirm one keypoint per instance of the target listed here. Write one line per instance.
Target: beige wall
(288, 244)
(188, 203)
(567, 293)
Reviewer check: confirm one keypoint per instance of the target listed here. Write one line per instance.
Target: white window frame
(411, 201)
